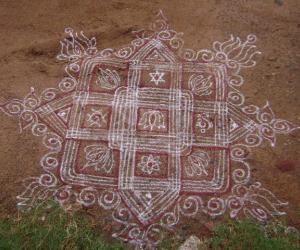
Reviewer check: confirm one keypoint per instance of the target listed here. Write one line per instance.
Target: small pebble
(192, 243)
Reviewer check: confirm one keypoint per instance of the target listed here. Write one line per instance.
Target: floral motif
(108, 79)
(247, 200)
(153, 119)
(149, 164)
(99, 157)
(200, 84)
(197, 164)
(244, 198)
(75, 46)
(235, 53)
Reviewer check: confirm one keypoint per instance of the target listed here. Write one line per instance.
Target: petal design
(75, 46)
(153, 119)
(13, 108)
(149, 164)
(26, 119)
(283, 127)
(99, 157)
(265, 115)
(108, 79)
(200, 84)
(197, 163)
(268, 133)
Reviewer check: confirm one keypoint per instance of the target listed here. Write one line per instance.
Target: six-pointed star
(157, 77)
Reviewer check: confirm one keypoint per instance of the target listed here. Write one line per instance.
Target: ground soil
(30, 31)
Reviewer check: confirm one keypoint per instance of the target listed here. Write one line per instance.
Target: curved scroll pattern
(184, 153)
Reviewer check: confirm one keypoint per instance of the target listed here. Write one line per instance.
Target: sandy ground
(30, 32)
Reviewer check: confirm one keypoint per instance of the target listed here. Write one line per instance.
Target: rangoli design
(152, 131)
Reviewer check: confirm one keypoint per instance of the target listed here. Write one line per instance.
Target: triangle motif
(233, 125)
(64, 114)
(156, 56)
(148, 204)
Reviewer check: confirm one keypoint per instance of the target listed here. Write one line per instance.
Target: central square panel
(152, 120)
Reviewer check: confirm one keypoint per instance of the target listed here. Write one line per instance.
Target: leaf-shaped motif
(268, 125)
(36, 189)
(197, 163)
(265, 114)
(283, 126)
(13, 108)
(200, 84)
(108, 79)
(26, 119)
(254, 201)
(99, 157)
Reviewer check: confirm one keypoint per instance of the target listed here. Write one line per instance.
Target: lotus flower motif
(153, 119)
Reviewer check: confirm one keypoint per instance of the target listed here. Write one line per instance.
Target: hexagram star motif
(227, 130)
(157, 77)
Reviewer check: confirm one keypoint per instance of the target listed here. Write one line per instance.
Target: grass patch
(245, 235)
(250, 235)
(48, 226)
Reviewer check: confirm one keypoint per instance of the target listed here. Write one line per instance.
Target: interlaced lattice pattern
(152, 131)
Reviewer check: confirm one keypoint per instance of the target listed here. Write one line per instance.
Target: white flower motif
(149, 164)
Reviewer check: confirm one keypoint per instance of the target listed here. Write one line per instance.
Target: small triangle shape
(155, 55)
(233, 125)
(64, 114)
(148, 204)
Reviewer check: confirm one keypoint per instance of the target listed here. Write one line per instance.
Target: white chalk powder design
(153, 132)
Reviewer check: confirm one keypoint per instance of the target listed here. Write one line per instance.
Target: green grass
(47, 226)
(245, 235)
(250, 235)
